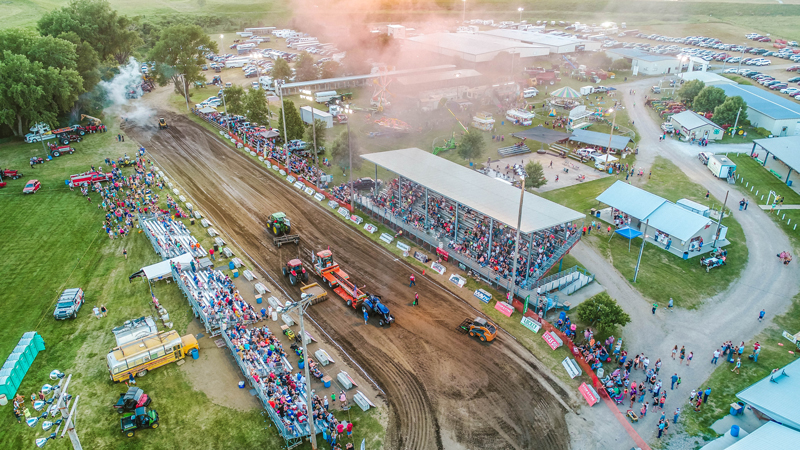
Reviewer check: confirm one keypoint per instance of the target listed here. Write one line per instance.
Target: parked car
(364, 183)
(731, 70)
(69, 303)
(31, 187)
(667, 127)
(703, 157)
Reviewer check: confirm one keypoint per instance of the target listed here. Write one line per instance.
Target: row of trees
(713, 99)
(54, 69)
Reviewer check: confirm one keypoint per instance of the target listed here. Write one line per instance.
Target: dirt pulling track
(444, 390)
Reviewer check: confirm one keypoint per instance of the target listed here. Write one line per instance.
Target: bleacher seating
(513, 150)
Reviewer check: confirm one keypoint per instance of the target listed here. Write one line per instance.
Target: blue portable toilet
(19, 363)
(9, 378)
(36, 338)
(7, 387)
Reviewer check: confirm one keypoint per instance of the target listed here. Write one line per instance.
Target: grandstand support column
(426, 208)
(491, 232)
(530, 255)
(399, 192)
(516, 242)
(455, 228)
(375, 187)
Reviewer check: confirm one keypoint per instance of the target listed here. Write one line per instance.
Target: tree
(471, 145)
(727, 111)
(49, 51)
(234, 100)
(340, 151)
(256, 106)
(331, 69)
(88, 60)
(535, 175)
(97, 24)
(603, 312)
(621, 64)
(32, 93)
(294, 125)
(179, 55)
(320, 131)
(688, 92)
(708, 99)
(281, 70)
(306, 70)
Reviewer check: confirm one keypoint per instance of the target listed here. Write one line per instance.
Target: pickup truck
(69, 304)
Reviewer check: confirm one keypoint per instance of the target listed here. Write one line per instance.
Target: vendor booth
(520, 117)
(483, 121)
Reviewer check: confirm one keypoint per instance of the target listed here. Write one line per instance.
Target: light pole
(641, 250)
(314, 135)
(740, 60)
(736, 124)
(719, 222)
(283, 113)
(464, 16)
(227, 117)
(520, 13)
(516, 244)
(350, 152)
(611, 133)
(186, 92)
(221, 42)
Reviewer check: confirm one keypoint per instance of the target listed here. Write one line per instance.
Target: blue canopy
(628, 232)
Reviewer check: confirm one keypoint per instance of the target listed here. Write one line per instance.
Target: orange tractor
(337, 279)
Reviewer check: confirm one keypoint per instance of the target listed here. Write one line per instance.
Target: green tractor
(279, 224)
(141, 418)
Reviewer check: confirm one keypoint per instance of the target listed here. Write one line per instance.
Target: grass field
(725, 384)
(662, 275)
(764, 181)
(51, 241)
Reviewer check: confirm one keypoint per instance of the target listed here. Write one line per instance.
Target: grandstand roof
(474, 190)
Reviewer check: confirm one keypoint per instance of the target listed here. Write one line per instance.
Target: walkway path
(729, 315)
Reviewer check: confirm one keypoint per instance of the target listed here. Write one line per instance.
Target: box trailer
(260, 31)
(721, 166)
(305, 114)
(586, 90)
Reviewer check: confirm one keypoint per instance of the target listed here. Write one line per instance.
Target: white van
(530, 92)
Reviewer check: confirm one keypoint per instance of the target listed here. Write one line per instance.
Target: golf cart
(141, 418)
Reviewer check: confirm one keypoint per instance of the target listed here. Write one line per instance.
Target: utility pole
(641, 250)
(516, 244)
(736, 124)
(283, 112)
(186, 92)
(314, 134)
(350, 152)
(611, 133)
(719, 222)
(301, 307)
(227, 117)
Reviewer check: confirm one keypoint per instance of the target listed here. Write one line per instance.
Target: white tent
(208, 110)
(160, 270)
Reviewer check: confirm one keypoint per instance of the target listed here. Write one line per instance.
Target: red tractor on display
(9, 173)
(295, 271)
(58, 150)
(66, 138)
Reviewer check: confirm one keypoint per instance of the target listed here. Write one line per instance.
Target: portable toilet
(19, 363)
(9, 379)
(36, 338)
(26, 351)
(7, 387)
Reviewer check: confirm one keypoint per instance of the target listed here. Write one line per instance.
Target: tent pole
(644, 238)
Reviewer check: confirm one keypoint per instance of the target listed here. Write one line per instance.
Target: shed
(646, 63)
(774, 112)
(777, 395)
(691, 125)
(599, 139)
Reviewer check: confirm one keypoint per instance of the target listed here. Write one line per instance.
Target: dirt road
(444, 390)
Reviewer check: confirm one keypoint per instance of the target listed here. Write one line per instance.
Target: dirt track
(444, 390)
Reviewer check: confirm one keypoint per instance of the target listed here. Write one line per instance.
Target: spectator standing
(716, 357)
(677, 414)
(412, 281)
(674, 380)
(416, 299)
(683, 354)
(738, 365)
(706, 394)
(761, 315)
(689, 358)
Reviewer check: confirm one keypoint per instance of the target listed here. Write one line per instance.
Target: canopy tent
(605, 159)
(269, 134)
(565, 92)
(628, 233)
(208, 110)
(162, 269)
(599, 139)
(541, 134)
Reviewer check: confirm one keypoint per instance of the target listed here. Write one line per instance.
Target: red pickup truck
(90, 177)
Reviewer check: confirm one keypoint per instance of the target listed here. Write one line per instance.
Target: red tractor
(58, 150)
(66, 138)
(295, 271)
(13, 174)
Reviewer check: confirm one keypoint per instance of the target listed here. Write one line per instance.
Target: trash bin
(686, 256)
(231, 265)
(598, 214)
(789, 183)
(216, 247)
(195, 353)
(301, 364)
(735, 430)
(241, 385)
(736, 408)
(191, 221)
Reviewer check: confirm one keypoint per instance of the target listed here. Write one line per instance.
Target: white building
(692, 125)
(397, 31)
(777, 114)
(475, 48)
(556, 44)
(646, 63)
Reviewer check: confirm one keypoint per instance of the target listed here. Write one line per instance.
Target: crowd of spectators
(265, 358)
(218, 298)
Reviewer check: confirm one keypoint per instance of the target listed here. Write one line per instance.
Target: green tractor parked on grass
(279, 224)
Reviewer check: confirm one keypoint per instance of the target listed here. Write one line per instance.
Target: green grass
(764, 181)
(662, 275)
(725, 384)
(50, 241)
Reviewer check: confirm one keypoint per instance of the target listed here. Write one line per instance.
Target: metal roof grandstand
(479, 192)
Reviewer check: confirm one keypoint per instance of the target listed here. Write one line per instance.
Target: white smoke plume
(122, 93)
